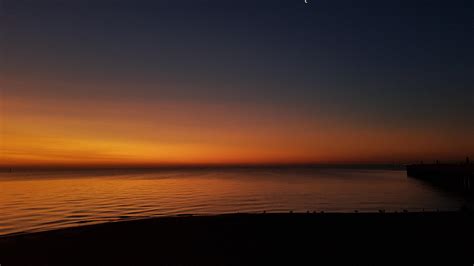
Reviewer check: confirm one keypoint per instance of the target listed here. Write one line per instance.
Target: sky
(113, 82)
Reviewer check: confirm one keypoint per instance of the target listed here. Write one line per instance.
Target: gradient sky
(99, 82)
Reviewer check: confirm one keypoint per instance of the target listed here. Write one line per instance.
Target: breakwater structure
(452, 176)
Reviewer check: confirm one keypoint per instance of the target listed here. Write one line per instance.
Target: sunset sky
(111, 82)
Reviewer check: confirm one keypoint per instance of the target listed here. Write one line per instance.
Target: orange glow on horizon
(96, 132)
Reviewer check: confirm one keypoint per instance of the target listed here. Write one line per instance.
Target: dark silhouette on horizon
(452, 176)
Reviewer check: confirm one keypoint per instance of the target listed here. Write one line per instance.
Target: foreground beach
(243, 239)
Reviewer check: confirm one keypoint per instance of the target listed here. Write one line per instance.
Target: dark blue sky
(399, 63)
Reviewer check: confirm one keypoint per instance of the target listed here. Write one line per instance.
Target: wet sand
(244, 239)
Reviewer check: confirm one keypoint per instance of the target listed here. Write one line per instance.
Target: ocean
(44, 200)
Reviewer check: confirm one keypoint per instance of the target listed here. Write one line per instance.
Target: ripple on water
(44, 201)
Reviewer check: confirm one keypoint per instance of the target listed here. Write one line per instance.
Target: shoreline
(244, 238)
(81, 224)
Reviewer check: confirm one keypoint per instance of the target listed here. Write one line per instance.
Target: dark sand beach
(243, 239)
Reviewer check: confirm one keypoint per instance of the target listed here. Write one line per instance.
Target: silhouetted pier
(452, 176)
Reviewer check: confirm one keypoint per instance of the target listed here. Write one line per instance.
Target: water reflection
(46, 200)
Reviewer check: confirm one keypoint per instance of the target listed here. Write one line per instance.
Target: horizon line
(195, 166)
(98, 166)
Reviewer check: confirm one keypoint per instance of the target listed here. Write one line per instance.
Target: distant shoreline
(202, 167)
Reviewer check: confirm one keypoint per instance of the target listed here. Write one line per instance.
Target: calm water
(48, 200)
